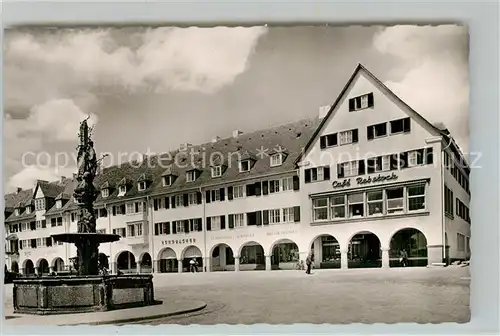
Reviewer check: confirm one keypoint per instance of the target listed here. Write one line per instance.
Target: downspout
(151, 233)
(443, 215)
(204, 226)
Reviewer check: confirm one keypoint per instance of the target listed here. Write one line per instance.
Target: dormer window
(59, 204)
(28, 209)
(122, 190)
(217, 171)
(276, 159)
(244, 166)
(40, 204)
(191, 176)
(141, 185)
(17, 211)
(105, 193)
(168, 180)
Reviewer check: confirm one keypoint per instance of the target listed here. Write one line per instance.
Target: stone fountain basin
(77, 294)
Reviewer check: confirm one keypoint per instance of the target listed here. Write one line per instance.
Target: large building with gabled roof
(364, 180)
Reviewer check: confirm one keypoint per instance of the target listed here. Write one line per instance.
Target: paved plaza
(327, 296)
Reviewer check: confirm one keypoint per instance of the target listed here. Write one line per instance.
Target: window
(179, 226)
(320, 209)
(17, 211)
(376, 131)
(345, 137)
(448, 201)
(416, 197)
(215, 223)
(378, 164)
(142, 185)
(239, 220)
(274, 185)
(122, 190)
(238, 191)
(337, 204)
(121, 232)
(467, 244)
(460, 242)
(375, 203)
(328, 140)
(167, 180)
(39, 242)
(395, 200)
(400, 126)
(361, 102)
(33, 226)
(39, 223)
(317, 174)
(276, 160)
(288, 215)
(105, 193)
(356, 205)
(350, 168)
(40, 204)
(274, 216)
(103, 212)
(179, 202)
(192, 199)
(190, 176)
(244, 166)
(28, 209)
(287, 183)
(216, 171)
(101, 231)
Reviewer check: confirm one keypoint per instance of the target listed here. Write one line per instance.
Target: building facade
(366, 179)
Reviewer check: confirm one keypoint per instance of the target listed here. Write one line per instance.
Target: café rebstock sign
(360, 181)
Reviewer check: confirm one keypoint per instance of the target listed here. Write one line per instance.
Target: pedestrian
(309, 262)
(403, 258)
(192, 265)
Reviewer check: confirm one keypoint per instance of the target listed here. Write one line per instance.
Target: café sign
(360, 181)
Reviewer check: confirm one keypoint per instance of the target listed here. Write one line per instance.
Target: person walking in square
(309, 262)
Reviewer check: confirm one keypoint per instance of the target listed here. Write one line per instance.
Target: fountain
(90, 289)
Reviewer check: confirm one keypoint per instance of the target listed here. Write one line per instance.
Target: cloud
(434, 68)
(26, 178)
(54, 78)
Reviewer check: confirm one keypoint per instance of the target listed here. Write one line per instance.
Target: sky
(150, 89)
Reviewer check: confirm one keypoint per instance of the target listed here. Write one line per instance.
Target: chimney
(184, 146)
(18, 190)
(237, 133)
(215, 139)
(323, 111)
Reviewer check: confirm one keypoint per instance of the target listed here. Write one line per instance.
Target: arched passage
(146, 263)
(14, 267)
(192, 253)
(222, 258)
(43, 266)
(58, 264)
(364, 251)
(411, 240)
(168, 261)
(326, 251)
(252, 257)
(28, 267)
(284, 254)
(126, 262)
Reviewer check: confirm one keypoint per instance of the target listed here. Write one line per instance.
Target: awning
(192, 252)
(168, 254)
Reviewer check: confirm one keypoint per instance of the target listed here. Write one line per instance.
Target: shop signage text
(362, 180)
(240, 236)
(179, 241)
(282, 233)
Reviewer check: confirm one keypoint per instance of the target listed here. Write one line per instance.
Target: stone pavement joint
(129, 315)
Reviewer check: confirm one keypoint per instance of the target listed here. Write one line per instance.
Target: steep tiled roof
(257, 145)
(53, 189)
(65, 194)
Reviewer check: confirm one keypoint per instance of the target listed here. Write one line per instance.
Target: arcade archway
(192, 253)
(29, 267)
(58, 264)
(222, 258)
(168, 261)
(14, 267)
(43, 266)
(126, 262)
(284, 255)
(326, 251)
(411, 240)
(364, 251)
(252, 257)
(146, 263)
